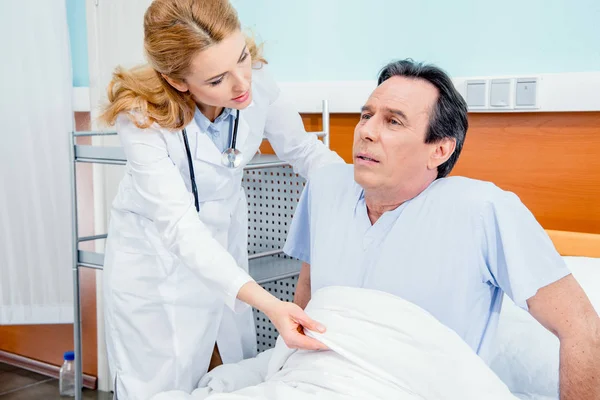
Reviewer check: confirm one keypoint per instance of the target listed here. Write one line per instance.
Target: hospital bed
(272, 190)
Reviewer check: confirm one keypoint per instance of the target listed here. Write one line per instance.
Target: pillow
(526, 355)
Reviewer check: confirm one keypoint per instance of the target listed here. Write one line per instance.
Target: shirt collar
(360, 195)
(204, 123)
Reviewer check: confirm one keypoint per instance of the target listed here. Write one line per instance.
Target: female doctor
(176, 266)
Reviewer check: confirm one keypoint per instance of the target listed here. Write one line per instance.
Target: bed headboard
(576, 243)
(550, 160)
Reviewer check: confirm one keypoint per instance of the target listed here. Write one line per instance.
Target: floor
(19, 384)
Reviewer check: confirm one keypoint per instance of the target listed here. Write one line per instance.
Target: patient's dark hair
(449, 116)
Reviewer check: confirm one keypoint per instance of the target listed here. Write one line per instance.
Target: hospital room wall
(350, 40)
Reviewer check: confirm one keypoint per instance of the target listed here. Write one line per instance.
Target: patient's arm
(564, 309)
(302, 295)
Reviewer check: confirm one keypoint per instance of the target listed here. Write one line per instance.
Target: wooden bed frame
(576, 243)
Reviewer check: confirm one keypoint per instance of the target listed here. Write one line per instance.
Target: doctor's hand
(289, 319)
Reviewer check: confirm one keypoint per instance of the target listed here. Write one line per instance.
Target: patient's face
(390, 153)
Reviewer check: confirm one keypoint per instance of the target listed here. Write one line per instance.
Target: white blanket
(382, 347)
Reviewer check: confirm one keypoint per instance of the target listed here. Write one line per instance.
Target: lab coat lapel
(249, 135)
(205, 148)
(243, 132)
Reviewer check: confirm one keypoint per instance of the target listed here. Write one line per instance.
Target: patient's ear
(441, 152)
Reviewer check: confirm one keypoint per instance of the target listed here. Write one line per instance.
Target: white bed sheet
(382, 347)
(526, 357)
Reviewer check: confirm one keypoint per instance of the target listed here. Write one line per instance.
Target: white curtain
(36, 118)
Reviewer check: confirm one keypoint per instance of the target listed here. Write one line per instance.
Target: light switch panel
(500, 93)
(476, 93)
(526, 92)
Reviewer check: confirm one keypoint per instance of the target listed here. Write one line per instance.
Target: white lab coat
(171, 278)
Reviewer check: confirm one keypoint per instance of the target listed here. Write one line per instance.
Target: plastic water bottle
(67, 375)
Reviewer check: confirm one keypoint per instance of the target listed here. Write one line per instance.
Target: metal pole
(265, 254)
(326, 122)
(265, 165)
(92, 266)
(76, 299)
(94, 133)
(90, 238)
(101, 161)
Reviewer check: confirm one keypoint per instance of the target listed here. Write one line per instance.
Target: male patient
(395, 222)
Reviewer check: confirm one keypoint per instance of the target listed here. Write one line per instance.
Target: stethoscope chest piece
(231, 158)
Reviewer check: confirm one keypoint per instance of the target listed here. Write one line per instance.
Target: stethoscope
(230, 158)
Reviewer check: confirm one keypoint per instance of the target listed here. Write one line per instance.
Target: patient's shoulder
(333, 177)
(462, 184)
(333, 185)
(473, 193)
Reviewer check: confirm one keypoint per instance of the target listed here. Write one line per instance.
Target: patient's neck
(382, 200)
(377, 207)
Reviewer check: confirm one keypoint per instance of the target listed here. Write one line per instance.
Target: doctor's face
(221, 75)
(390, 154)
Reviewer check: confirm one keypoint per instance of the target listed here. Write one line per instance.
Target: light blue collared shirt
(453, 250)
(223, 123)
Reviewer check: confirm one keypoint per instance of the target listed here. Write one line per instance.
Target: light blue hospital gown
(452, 250)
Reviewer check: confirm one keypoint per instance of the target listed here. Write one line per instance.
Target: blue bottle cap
(69, 356)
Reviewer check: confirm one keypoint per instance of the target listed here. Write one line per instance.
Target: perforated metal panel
(266, 334)
(272, 194)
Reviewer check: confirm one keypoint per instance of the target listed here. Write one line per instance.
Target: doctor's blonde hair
(174, 32)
